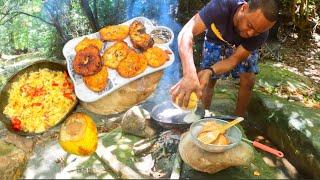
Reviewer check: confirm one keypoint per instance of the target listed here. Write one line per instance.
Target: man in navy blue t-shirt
(235, 29)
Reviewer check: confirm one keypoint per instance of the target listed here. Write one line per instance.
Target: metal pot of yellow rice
(37, 98)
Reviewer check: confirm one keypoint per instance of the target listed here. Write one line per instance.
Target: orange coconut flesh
(193, 100)
(78, 135)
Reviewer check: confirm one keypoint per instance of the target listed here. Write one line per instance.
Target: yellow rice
(54, 104)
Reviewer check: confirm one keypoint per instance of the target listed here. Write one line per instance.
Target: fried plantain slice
(87, 61)
(132, 65)
(142, 63)
(114, 33)
(89, 42)
(97, 82)
(156, 57)
(114, 54)
(138, 36)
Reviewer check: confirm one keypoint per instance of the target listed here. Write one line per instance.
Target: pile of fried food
(208, 128)
(127, 61)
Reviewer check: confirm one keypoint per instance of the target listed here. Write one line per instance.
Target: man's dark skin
(249, 24)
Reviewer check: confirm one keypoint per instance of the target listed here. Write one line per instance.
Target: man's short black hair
(269, 8)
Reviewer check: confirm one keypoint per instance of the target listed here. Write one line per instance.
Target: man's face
(251, 24)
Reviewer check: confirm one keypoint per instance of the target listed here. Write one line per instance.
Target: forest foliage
(28, 26)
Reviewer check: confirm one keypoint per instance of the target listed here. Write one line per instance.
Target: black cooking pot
(168, 116)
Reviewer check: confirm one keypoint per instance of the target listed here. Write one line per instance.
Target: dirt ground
(297, 54)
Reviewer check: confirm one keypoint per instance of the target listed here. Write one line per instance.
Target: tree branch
(36, 17)
(16, 13)
(7, 20)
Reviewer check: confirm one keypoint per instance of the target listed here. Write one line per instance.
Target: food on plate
(132, 65)
(208, 129)
(39, 100)
(114, 54)
(97, 82)
(161, 35)
(86, 42)
(139, 38)
(114, 32)
(87, 61)
(156, 57)
(79, 135)
(192, 104)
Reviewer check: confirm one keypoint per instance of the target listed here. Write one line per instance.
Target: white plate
(115, 80)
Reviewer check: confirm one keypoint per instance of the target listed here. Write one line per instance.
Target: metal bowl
(162, 35)
(168, 116)
(4, 96)
(233, 134)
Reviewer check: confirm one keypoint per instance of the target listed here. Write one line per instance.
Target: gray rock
(241, 155)
(247, 171)
(24, 143)
(292, 127)
(13, 161)
(136, 122)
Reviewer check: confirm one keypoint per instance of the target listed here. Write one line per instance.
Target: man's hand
(190, 82)
(184, 88)
(204, 78)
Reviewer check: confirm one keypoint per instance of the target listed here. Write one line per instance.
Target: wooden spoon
(212, 134)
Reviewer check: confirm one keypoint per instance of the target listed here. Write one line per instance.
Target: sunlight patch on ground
(109, 148)
(117, 137)
(295, 122)
(145, 164)
(47, 163)
(278, 104)
(124, 146)
(75, 169)
(39, 163)
(308, 133)
(299, 124)
(309, 123)
(108, 176)
(125, 140)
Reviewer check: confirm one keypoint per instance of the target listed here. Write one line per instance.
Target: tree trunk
(88, 12)
(95, 13)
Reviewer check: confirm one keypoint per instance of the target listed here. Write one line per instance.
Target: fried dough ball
(156, 56)
(87, 61)
(114, 54)
(138, 36)
(89, 42)
(97, 82)
(132, 65)
(114, 32)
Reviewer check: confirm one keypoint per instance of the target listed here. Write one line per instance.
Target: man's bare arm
(190, 81)
(194, 27)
